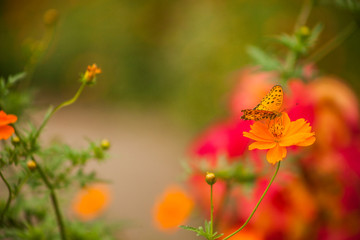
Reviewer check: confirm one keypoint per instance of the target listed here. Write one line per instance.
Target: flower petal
(307, 142)
(285, 121)
(294, 139)
(299, 125)
(6, 131)
(6, 118)
(262, 145)
(276, 154)
(284, 152)
(256, 137)
(261, 130)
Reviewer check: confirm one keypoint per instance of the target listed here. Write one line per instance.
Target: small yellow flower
(90, 74)
(278, 134)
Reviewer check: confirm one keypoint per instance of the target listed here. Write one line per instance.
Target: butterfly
(268, 108)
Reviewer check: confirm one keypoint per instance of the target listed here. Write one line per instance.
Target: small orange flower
(5, 130)
(278, 134)
(91, 73)
(91, 201)
(172, 209)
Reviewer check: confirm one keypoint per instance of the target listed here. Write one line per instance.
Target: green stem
(292, 56)
(257, 205)
(8, 200)
(64, 104)
(289, 66)
(21, 184)
(333, 43)
(53, 196)
(37, 56)
(54, 200)
(211, 210)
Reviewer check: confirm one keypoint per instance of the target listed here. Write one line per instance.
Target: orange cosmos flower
(91, 201)
(91, 73)
(278, 134)
(173, 208)
(5, 130)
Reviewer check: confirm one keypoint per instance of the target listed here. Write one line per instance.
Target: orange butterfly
(268, 108)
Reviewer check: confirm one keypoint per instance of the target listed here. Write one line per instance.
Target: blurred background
(168, 68)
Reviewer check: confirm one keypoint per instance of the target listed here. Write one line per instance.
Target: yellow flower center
(276, 129)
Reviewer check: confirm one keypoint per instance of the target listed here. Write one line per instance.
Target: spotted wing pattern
(273, 100)
(254, 114)
(269, 106)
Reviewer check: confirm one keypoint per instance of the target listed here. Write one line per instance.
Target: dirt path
(145, 151)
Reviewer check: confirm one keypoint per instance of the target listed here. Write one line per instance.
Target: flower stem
(257, 205)
(304, 14)
(211, 209)
(333, 43)
(53, 196)
(54, 200)
(61, 105)
(8, 200)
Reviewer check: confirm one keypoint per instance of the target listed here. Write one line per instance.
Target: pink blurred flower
(328, 179)
(297, 103)
(221, 139)
(330, 90)
(285, 211)
(252, 85)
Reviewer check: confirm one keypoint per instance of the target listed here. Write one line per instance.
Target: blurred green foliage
(178, 55)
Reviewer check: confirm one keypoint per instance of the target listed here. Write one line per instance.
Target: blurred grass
(179, 56)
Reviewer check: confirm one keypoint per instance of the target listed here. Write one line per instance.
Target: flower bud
(304, 31)
(15, 140)
(51, 17)
(105, 144)
(210, 178)
(31, 165)
(90, 75)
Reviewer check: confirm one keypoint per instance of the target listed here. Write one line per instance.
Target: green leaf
(15, 78)
(315, 33)
(205, 232)
(287, 40)
(263, 59)
(189, 228)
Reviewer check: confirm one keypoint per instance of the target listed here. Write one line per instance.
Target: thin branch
(8, 200)
(304, 14)
(333, 43)
(257, 205)
(54, 200)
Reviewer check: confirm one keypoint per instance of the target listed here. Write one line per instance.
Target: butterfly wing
(273, 100)
(255, 114)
